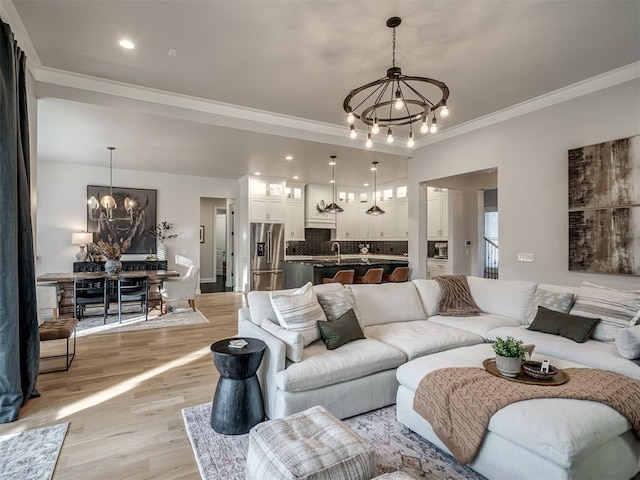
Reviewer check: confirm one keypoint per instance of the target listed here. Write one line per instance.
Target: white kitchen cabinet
(265, 199)
(436, 268)
(266, 210)
(437, 216)
(402, 219)
(316, 198)
(294, 221)
(294, 212)
(363, 221)
(347, 223)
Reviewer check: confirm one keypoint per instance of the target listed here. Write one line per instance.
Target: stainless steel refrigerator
(267, 256)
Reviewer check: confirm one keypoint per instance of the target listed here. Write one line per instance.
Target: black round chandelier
(396, 100)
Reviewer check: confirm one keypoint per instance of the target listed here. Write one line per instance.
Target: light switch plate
(525, 257)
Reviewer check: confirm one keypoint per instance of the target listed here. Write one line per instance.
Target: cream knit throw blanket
(459, 402)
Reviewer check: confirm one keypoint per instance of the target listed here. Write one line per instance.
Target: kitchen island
(313, 269)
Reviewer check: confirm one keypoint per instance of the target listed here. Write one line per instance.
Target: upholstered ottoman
(548, 438)
(312, 445)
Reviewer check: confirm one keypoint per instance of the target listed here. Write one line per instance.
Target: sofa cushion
(592, 353)
(479, 325)
(341, 330)
(628, 342)
(337, 303)
(429, 293)
(557, 301)
(294, 342)
(299, 311)
(321, 367)
(509, 298)
(388, 302)
(421, 337)
(572, 327)
(260, 301)
(616, 309)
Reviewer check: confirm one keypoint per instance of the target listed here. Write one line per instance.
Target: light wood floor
(123, 397)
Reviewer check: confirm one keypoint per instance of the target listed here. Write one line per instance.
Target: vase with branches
(162, 232)
(112, 251)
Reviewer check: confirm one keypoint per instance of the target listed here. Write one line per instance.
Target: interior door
(221, 241)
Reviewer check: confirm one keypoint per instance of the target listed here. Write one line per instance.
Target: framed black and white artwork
(132, 216)
(604, 207)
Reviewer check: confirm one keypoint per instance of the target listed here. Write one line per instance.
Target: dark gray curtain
(19, 339)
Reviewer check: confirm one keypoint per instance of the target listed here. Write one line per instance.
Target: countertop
(348, 260)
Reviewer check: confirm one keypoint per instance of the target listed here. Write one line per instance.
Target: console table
(65, 283)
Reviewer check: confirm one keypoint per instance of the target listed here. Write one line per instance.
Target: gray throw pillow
(572, 327)
(628, 342)
(341, 330)
(337, 303)
(558, 301)
(616, 309)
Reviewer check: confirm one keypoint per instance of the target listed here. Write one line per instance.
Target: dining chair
(373, 275)
(344, 277)
(133, 288)
(90, 290)
(181, 288)
(399, 274)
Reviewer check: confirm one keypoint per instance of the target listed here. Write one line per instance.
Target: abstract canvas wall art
(134, 215)
(604, 207)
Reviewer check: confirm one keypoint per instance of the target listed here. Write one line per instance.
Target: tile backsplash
(318, 242)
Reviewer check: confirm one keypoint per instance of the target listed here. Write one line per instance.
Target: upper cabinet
(266, 198)
(317, 197)
(437, 213)
(294, 211)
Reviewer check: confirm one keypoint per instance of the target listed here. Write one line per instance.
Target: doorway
(214, 254)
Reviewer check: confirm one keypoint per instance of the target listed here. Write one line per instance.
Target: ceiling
(285, 67)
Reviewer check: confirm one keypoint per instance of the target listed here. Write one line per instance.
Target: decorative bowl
(532, 369)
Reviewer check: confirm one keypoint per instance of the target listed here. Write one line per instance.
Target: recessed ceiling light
(127, 44)
(296, 177)
(172, 52)
(289, 157)
(365, 184)
(257, 173)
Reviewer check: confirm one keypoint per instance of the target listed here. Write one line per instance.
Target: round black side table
(237, 403)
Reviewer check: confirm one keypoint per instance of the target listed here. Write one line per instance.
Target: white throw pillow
(335, 304)
(299, 311)
(616, 309)
(558, 301)
(293, 341)
(628, 342)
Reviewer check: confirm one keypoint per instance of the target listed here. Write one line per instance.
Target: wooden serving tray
(558, 379)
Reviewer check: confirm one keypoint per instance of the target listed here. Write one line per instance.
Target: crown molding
(584, 87)
(10, 15)
(64, 84)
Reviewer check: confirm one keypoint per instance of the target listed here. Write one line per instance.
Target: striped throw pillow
(616, 309)
(299, 311)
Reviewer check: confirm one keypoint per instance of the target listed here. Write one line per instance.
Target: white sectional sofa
(406, 338)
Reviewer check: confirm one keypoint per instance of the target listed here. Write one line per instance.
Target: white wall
(530, 152)
(62, 208)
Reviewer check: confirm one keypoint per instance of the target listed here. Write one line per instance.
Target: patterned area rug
(31, 454)
(397, 448)
(179, 315)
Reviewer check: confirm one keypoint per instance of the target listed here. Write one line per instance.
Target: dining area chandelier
(104, 206)
(396, 100)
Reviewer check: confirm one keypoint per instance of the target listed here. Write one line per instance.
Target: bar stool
(399, 274)
(373, 275)
(344, 277)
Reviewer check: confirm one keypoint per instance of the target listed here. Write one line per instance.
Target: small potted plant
(509, 354)
(162, 232)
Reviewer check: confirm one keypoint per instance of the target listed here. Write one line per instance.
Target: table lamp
(82, 239)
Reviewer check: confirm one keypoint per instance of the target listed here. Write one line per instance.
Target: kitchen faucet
(333, 247)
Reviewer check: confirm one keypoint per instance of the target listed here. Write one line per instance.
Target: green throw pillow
(342, 330)
(572, 327)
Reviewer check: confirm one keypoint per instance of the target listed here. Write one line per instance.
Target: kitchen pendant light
(375, 210)
(333, 207)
